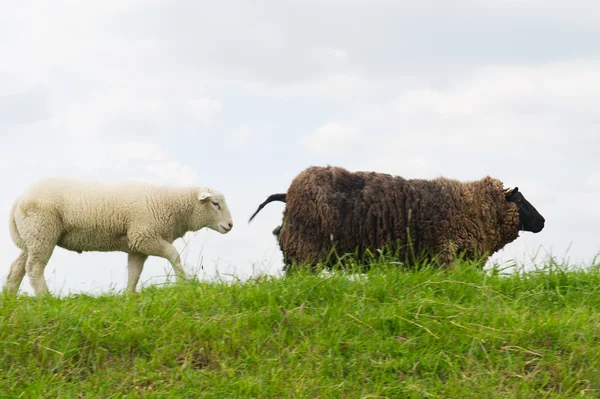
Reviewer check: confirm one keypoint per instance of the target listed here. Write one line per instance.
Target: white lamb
(140, 219)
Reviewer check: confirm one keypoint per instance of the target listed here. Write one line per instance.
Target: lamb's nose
(230, 225)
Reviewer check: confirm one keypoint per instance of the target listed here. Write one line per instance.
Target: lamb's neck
(183, 212)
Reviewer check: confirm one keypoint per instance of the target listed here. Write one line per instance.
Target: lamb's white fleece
(137, 218)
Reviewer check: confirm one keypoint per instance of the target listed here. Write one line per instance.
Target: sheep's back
(88, 205)
(356, 211)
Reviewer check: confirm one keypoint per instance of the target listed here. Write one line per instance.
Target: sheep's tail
(272, 197)
(14, 232)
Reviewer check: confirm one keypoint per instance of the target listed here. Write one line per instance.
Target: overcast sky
(241, 96)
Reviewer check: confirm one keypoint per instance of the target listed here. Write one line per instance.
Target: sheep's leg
(16, 274)
(35, 265)
(163, 249)
(40, 234)
(135, 265)
(446, 258)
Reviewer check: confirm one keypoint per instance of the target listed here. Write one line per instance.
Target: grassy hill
(390, 333)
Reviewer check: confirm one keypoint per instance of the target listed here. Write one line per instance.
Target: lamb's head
(212, 211)
(529, 218)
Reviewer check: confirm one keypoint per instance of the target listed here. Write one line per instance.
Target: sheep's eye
(217, 205)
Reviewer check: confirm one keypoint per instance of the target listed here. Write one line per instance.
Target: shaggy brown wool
(331, 207)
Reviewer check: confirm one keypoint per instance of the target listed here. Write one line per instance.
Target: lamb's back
(93, 204)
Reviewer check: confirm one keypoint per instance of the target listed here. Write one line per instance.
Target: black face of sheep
(529, 217)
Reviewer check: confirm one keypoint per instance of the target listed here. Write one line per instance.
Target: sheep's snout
(539, 226)
(226, 227)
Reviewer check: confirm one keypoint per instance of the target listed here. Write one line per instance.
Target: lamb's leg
(35, 265)
(16, 274)
(135, 265)
(163, 249)
(40, 234)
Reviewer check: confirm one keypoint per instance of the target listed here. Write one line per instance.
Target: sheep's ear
(510, 191)
(204, 194)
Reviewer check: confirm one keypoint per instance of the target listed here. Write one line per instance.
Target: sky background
(242, 96)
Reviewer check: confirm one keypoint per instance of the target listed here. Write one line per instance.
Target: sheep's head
(214, 210)
(529, 218)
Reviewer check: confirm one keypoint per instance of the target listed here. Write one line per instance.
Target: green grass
(390, 333)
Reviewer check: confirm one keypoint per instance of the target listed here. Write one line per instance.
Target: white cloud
(410, 167)
(333, 137)
(329, 55)
(138, 111)
(205, 110)
(93, 156)
(150, 162)
(338, 84)
(594, 180)
(240, 137)
(522, 110)
(132, 150)
(171, 173)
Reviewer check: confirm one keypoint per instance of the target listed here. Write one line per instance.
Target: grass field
(464, 333)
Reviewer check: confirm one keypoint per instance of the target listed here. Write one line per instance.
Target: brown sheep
(330, 208)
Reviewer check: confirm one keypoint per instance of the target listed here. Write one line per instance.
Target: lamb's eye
(217, 205)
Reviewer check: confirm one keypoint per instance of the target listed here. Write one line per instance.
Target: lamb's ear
(510, 191)
(204, 194)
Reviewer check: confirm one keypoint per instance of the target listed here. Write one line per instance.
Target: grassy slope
(459, 334)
